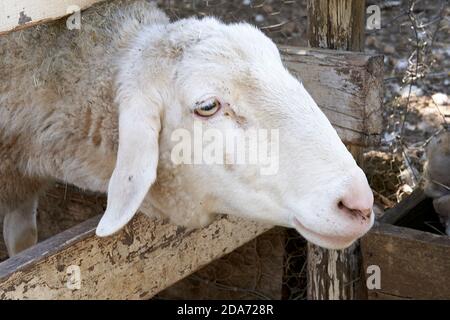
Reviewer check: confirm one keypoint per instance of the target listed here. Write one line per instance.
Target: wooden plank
(333, 274)
(143, 259)
(253, 271)
(413, 264)
(347, 86)
(339, 25)
(394, 214)
(20, 14)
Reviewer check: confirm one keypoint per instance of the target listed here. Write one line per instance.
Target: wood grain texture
(347, 86)
(20, 14)
(333, 274)
(143, 259)
(336, 24)
(252, 271)
(413, 264)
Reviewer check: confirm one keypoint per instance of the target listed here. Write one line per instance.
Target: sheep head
(183, 90)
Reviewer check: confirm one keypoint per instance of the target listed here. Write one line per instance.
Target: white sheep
(98, 107)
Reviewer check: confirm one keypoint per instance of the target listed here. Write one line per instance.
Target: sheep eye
(207, 108)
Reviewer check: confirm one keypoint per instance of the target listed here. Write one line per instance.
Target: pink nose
(358, 198)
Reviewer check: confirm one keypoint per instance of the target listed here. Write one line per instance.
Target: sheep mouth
(323, 240)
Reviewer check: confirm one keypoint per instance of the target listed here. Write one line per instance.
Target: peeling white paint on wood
(333, 290)
(137, 263)
(18, 14)
(328, 276)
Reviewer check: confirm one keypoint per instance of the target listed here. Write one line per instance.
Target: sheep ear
(136, 165)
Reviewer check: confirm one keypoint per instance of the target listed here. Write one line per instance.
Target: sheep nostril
(363, 213)
(357, 201)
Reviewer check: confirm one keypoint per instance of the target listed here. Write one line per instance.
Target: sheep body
(63, 80)
(58, 116)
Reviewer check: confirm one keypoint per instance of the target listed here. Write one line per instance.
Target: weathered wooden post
(339, 25)
(336, 24)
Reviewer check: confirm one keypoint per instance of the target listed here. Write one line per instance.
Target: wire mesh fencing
(272, 266)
